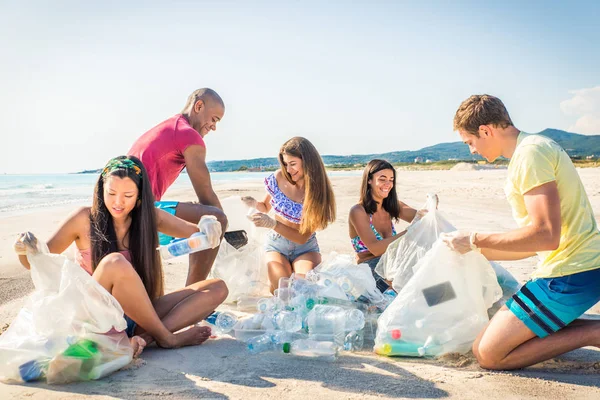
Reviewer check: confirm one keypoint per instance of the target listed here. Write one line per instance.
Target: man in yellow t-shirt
(555, 221)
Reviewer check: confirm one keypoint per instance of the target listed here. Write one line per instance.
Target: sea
(20, 194)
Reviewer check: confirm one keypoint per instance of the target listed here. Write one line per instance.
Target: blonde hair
(481, 109)
(318, 209)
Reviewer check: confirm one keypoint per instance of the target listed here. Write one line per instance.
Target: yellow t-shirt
(538, 160)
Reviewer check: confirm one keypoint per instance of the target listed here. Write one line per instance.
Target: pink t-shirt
(161, 151)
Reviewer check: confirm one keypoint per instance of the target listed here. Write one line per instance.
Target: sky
(80, 81)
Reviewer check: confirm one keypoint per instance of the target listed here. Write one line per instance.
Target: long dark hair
(390, 203)
(318, 208)
(143, 237)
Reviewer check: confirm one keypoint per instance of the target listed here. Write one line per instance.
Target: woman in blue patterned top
(301, 196)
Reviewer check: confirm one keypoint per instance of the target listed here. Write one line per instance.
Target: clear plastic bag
(442, 308)
(69, 329)
(398, 262)
(509, 286)
(244, 270)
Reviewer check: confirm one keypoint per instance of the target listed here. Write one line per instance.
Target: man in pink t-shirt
(178, 143)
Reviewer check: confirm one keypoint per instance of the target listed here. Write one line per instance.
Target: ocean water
(26, 193)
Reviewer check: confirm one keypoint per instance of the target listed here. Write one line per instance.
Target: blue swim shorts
(170, 207)
(546, 305)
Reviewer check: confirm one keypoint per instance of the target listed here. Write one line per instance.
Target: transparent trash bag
(397, 263)
(244, 270)
(70, 328)
(442, 308)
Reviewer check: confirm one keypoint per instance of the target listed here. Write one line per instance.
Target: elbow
(551, 239)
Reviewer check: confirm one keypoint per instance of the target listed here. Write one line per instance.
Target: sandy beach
(222, 369)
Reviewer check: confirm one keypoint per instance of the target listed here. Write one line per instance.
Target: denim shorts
(170, 207)
(289, 249)
(546, 305)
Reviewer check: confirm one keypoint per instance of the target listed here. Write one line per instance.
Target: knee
(221, 291)
(115, 263)
(486, 357)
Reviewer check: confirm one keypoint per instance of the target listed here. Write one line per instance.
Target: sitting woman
(116, 242)
(371, 221)
(301, 195)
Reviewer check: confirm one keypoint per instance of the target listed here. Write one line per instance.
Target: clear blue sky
(80, 81)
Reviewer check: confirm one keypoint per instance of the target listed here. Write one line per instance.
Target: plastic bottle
(326, 351)
(354, 341)
(400, 348)
(223, 321)
(196, 242)
(323, 315)
(288, 321)
(32, 370)
(269, 305)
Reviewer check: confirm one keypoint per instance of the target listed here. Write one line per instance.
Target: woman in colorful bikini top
(301, 196)
(371, 221)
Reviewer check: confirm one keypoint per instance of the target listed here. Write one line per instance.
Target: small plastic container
(180, 247)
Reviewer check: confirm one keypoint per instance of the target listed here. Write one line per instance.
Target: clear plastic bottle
(326, 351)
(196, 242)
(269, 305)
(288, 321)
(354, 341)
(223, 321)
(320, 319)
(262, 343)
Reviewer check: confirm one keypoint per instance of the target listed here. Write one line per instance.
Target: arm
(360, 221)
(500, 255)
(265, 205)
(67, 233)
(543, 233)
(195, 161)
(174, 226)
(407, 213)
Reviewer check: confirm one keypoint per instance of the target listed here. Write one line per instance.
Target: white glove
(25, 242)
(263, 220)
(249, 201)
(459, 241)
(211, 227)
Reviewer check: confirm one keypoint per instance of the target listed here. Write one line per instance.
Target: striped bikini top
(358, 244)
(282, 205)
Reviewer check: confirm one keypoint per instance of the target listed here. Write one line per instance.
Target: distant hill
(575, 144)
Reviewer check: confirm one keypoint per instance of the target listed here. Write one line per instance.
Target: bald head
(203, 110)
(209, 97)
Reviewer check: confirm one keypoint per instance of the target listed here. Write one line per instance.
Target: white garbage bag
(401, 256)
(442, 308)
(69, 329)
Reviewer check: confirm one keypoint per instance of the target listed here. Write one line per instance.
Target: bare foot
(138, 344)
(195, 335)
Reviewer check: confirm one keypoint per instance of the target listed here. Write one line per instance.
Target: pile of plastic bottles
(316, 317)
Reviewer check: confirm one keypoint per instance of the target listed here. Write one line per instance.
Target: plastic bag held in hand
(70, 327)
(249, 201)
(27, 243)
(400, 258)
(211, 227)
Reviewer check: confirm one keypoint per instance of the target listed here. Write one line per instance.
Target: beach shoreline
(222, 369)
